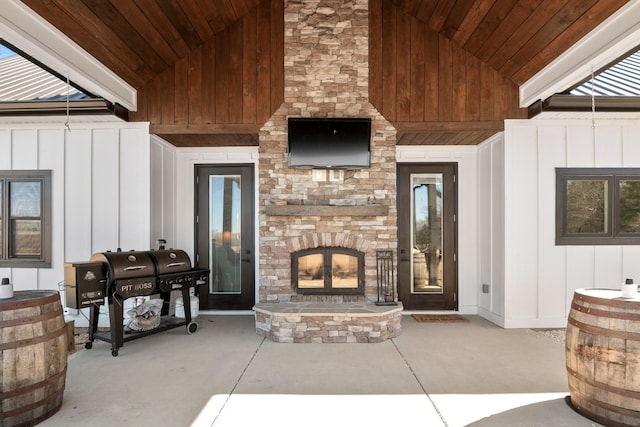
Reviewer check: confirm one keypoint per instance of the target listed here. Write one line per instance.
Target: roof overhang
(61, 108)
(576, 103)
(30, 33)
(609, 41)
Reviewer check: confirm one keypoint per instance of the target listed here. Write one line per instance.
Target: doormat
(439, 318)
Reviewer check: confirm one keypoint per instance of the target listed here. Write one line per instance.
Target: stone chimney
(326, 72)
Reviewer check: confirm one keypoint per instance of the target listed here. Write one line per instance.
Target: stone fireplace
(326, 73)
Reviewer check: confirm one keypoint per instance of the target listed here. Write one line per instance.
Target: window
(597, 206)
(25, 218)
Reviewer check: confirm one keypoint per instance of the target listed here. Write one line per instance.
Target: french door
(427, 272)
(225, 235)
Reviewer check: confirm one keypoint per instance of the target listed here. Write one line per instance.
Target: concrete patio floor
(435, 374)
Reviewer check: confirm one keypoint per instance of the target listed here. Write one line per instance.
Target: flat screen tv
(326, 143)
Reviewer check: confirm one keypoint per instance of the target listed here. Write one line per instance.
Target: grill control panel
(85, 284)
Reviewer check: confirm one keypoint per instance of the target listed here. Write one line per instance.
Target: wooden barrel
(603, 356)
(33, 356)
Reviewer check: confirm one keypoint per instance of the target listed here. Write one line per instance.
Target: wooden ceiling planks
(139, 39)
(490, 22)
(195, 17)
(455, 18)
(519, 15)
(499, 44)
(573, 32)
(476, 13)
(516, 37)
(515, 40)
(150, 33)
(544, 36)
(161, 22)
(181, 22)
(100, 11)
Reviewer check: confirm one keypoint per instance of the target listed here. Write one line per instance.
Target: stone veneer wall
(326, 75)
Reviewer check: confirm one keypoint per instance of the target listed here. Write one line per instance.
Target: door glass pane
(311, 271)
(225, 234)
(426, 224)
(587, 206)
(344, 271)
(629, 205)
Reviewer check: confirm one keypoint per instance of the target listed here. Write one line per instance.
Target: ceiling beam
(419, 127)
(60, 108)
(601, 104)
(212, 129)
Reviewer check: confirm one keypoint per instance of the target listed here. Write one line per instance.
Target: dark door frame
(449, 299)
(248, 261)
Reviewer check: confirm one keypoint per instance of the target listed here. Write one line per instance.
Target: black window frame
(613, 235)
(6, 259)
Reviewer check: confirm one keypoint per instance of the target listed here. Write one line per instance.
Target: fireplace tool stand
(386, 282)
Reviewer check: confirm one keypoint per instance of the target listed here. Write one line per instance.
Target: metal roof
(22, 80)
(28, 88)
(620, 79)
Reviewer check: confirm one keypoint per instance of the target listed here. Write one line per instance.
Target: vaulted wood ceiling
(141, 39)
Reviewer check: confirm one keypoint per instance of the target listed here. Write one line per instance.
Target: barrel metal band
(31, 319)
(31, 387)
(34, 405)
(605, 313)
(35, 340)
(45, 298)
(605, 332)
(599, 300)
(602, 405)
(602, 386)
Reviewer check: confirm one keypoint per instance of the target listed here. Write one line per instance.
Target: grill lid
(125, 265)
(171, 261)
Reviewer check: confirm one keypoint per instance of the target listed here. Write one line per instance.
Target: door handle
(246, 259)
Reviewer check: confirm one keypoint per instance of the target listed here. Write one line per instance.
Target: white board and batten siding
(100, 185)
(490, 211)
(173, 189)
(540, 277)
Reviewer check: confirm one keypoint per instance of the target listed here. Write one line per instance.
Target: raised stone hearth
(327, 322)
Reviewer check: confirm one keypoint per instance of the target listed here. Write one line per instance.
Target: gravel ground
(557, 335)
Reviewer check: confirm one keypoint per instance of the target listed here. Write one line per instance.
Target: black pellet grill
(125, 274)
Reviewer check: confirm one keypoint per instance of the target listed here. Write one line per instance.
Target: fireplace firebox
(328, 270)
